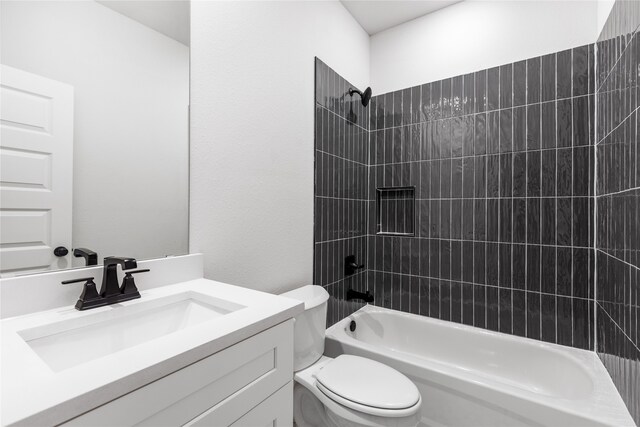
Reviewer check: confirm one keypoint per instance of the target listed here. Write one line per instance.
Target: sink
(68, 343)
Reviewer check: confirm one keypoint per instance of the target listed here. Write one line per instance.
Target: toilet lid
(366, 382)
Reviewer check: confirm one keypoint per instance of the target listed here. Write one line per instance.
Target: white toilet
(348, 390)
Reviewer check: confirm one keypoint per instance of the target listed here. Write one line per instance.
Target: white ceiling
(378, 15)
(169, 17)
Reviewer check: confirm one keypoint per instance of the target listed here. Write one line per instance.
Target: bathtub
(473, 377)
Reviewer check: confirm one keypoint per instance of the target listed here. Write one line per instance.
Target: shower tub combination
(469, 376)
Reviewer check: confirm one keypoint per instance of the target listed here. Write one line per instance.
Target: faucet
(110, 287)
(364, 296)
(110, 292)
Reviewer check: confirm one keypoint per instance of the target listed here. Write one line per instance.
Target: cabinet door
(275, 411)
(224, 385)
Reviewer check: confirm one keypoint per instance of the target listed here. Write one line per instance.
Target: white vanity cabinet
(246, 384)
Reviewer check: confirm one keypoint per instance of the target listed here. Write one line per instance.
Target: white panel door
(36, 171)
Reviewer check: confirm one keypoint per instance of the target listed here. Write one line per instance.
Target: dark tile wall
(502, 162)
(341, 188)
(618, 202)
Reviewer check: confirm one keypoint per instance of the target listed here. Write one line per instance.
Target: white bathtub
(473, 377)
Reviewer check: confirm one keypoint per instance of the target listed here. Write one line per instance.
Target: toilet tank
(309, 326)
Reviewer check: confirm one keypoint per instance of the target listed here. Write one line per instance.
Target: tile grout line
(622, 122)
(617, 326)
(429, 277)
(618, 192)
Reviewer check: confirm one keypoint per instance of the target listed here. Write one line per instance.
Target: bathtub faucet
(350, 265)
(365, 296)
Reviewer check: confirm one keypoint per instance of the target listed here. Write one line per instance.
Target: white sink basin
(69, 343)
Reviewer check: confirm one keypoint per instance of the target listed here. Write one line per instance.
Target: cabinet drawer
(238, 377)
(276, 410)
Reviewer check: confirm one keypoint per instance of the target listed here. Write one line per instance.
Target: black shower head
(365, 96)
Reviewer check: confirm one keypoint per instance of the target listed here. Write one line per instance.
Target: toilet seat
(368, 386)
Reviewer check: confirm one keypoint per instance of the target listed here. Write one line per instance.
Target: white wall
(603, 11)
(252, 129)
(130, 192)
(475, 35)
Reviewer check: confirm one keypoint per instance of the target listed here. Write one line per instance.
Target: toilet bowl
(348, 390)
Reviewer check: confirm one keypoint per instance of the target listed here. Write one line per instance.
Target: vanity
(190, 351)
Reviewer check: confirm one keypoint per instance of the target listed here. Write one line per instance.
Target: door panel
(36, 171)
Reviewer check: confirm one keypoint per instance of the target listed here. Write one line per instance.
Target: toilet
(348, 390)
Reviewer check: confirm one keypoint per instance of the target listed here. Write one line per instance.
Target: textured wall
(618, 201)
(498, 166)
(502, 161)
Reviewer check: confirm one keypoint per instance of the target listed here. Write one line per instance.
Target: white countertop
(32, 393)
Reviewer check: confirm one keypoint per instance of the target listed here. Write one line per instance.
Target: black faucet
(110, 286)
(110, 292)
(364, 296)
(350, 265)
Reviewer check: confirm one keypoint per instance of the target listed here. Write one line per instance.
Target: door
(36, 171)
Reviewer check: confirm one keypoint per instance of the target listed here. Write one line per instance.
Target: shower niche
(396, 211)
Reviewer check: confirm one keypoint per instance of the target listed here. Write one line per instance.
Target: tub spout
(365, 296)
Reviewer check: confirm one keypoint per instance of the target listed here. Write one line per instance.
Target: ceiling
(378, 15)
(169, 17)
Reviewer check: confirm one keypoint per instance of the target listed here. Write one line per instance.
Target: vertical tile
(548, 69)
(564, 321)
(493, 132)
(468, 97)
(505, 311)
(492, 308)
(548, 316)
(519, 311)
(480, 82)
(533, 315)
(533, 126)
(446, 103)
(533, 220)
(548, 119)
(506, 131)
(456, 302)
(564, 73)
(533, 80)
(520, 129)
(479, 306)
(564, 123)
(457, 96)
(506, 86)
(493, 88)
(580, 70)
(519, 83)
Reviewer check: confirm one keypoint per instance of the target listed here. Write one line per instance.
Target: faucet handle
(128, 284)
(89, 297)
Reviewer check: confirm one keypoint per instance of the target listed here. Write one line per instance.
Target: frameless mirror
(94, 141)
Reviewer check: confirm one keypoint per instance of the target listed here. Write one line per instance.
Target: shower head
(365, 96)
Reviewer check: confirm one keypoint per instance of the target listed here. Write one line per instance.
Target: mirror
(94, 142)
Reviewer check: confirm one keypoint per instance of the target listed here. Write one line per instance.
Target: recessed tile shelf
(396, 211)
